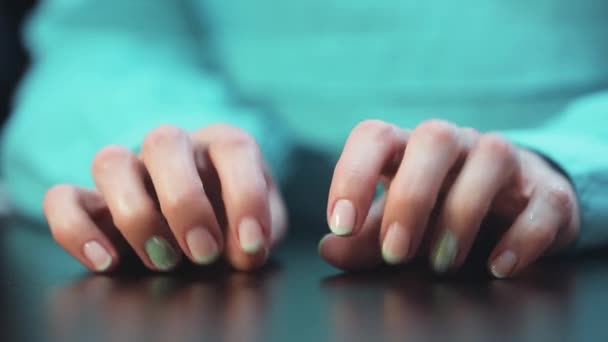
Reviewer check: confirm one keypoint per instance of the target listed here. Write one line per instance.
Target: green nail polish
(445, 252)
(160, 252)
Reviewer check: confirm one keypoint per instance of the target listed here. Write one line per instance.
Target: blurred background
(14, 61)
(13, 58)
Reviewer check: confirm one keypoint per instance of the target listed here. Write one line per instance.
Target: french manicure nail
(202, 246)
(504, 264)
(161, 253)
(97, 255)
(343, 218)
(251, 236)
(396, 244)
(445, 252)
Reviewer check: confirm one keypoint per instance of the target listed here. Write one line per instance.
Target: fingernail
(251, 236)
(97, 255)
(343, 218)
(504, 264)
(445, 252)
(161, 253)
(202, 246)
(396, 244)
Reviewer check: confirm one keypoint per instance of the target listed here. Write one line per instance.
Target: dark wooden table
(46, 296)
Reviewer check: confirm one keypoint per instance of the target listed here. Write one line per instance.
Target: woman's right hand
(203, 195)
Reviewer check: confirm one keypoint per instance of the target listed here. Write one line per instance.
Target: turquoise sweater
(306, 72)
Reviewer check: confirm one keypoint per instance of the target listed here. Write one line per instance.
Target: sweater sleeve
(108, 72)
(577, 142)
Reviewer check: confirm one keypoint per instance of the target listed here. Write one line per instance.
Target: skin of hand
(204, 195)
(441, 181)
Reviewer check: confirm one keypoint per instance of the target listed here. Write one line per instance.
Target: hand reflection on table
(411, 304)
(562, 300)
(225, 304)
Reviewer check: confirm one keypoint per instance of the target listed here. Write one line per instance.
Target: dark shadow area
(48, 298)
(13, 59)
(296, 297)
(216, 304)
(306, 190)
(546, 303)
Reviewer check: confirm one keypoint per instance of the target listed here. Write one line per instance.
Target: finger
(533, 232)
(278, 211)
(433, 149)
(68, 211)
(245, 193)
(360, 251)
(278, 215)
(490, 165)
(370, 147)
(169, 156)
(119, 176)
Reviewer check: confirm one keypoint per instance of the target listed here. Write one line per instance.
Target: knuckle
(351, 177)
(416, 200)
(136, 217)
(540, 235)
(65, 230)
(57, 193)
(186, 200)
(471, 136)
(466, 209)
(252, 195)
(224, 128)
(471, 131)
(236, 140)
(239, 138)
(376, 129)
(498, 147)
(162, 135)
(438, 131)
(63, 226)
(107, 156)
(62, 233)
(560, 199)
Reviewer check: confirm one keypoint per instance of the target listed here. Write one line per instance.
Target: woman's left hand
(441, 181)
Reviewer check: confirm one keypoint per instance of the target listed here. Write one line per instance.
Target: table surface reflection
(46, 296)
